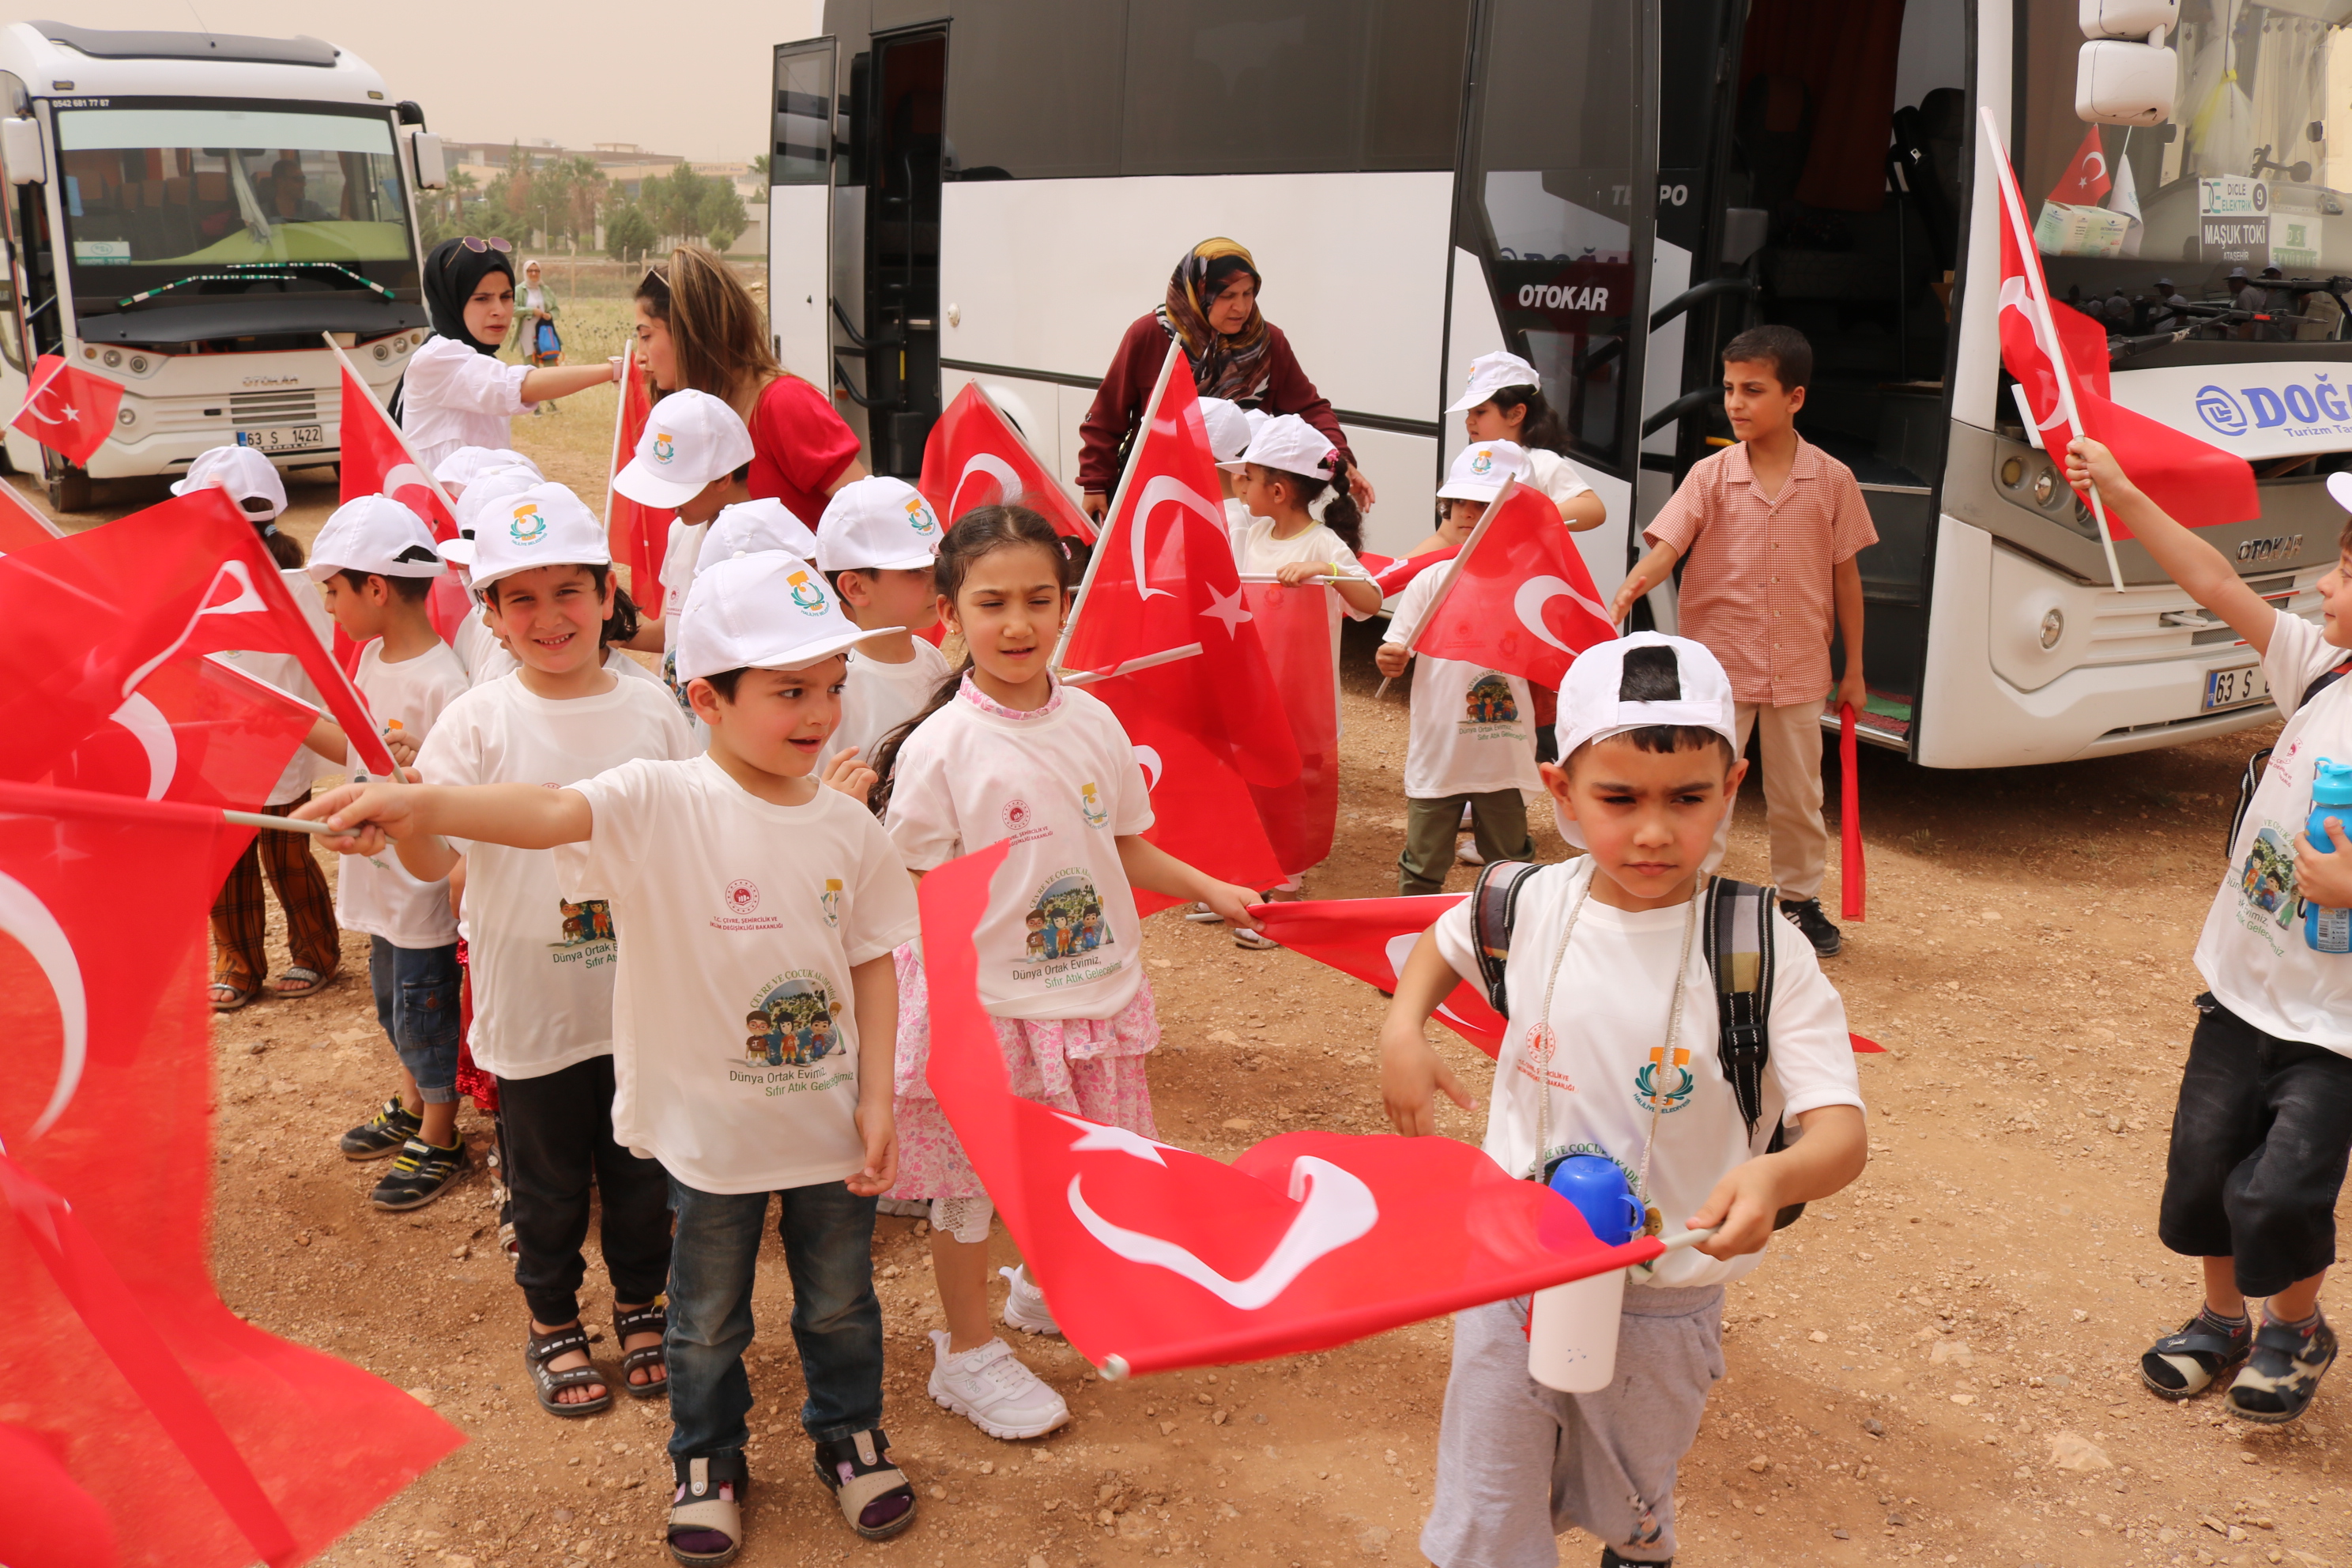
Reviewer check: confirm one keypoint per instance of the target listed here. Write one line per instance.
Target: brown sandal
(649, 1318)
(227, 998)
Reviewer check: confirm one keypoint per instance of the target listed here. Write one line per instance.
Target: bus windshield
(162, 191)
(2246, 176)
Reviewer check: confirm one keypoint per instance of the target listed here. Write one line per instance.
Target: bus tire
(69, 489)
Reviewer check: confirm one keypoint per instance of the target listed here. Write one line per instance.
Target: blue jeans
(828, 1236)
(417, 1001)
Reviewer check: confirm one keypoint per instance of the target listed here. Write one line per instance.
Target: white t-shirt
(1609, 1015)
(498, 664)
(1061, 938)
(726, 906)
(374, 894)
(1473, 729)
(678, 556)
(478, 648)
(2252, 952)
(284, 672)
(1554, 475)
(877, 697)
(542, 967)
(1257, 550)
(453, 397)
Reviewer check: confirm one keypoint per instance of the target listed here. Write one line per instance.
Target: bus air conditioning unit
(2120, 80)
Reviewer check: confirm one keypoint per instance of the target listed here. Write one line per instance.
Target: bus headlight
(2054, 626)
(2045, 485)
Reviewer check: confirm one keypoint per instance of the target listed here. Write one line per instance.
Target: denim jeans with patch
(417, 1001)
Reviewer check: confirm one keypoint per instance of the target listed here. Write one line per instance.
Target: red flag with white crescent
(1156, 1258)
(1390, 575)
(975, 456)
(376, 461)
(1522, 600)
(2086, 178)
(68, 409)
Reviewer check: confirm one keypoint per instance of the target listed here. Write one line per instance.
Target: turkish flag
(207, 1442)
(1201, 810)
(976, 457)
(92, 615)
(1520, 600)
(66, 409)
(376, 461)
(2086, 179)
(1156, 1258)
(2044, 340)
(20, 525)
(1161, 581)
(1371, 939)
(1390, 575)
(1295, 627)
(198, 729)
(637, 533)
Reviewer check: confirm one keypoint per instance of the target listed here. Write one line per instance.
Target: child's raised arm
(1411, 1069)
(2186, 559)
(523, 816)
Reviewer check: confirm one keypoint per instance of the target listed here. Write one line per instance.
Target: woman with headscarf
(1235, 354)
(535, 337)
(457, 392)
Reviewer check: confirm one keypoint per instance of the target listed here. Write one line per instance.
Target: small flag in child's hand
(975, 456)
(68, 409)
(1390, 576)
(1522, 600)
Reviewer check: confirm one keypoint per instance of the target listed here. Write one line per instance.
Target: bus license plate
(284, 438)
(2235, 688)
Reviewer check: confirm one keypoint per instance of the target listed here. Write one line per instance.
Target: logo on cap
(527, 527)
(806, 594)
(1483, 463)
(919, 516)
(664, 447)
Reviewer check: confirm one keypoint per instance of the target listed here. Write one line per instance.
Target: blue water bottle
(2328, 930)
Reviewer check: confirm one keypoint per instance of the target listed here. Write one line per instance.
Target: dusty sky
(576, 72)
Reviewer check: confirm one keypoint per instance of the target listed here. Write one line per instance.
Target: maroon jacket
(1118, 401)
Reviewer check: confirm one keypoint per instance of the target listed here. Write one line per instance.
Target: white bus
(185, 214)
(991, 190)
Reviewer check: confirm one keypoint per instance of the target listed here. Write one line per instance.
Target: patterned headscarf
(1230, 367)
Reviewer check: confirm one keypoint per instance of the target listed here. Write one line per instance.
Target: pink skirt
(1092, 1068)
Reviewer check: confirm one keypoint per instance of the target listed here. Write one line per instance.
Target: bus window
(1035, 92)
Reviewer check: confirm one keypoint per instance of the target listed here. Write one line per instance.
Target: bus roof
(63, 59)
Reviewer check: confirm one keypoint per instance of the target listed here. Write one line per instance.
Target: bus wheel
(69, 489)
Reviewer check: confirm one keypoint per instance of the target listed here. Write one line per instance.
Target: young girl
(1288, 468)
(1003, 742)
(1505, 402)
(543, 989)
(456, 391)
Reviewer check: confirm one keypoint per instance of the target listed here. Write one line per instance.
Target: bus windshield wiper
(254, 272)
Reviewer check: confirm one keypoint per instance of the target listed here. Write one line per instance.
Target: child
(747, 528)
(876, 543)
(510, 509)
(1773, 496)
(374, 561)
(1471, 744)
(1505, 402)
(468, 464)
(718, 871)
(543, 987)
(239, 917)
(2264, 1120)
(692, 460)
(1074, 1029)
(1647, 768)
(1230, 429)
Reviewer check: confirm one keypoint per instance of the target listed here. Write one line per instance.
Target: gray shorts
(1517, 1463)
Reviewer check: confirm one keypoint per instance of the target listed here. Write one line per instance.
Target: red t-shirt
(799, 447)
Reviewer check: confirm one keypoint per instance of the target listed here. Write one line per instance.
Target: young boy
(1472, 743)
(694, 459)
(374, 562)
(2264, 1120)
(1230, 426)
(1603, 949)
(1772, 527)
(738, 888)
(876, 543)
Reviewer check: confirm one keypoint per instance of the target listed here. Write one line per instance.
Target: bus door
(1554, 229)
(899, 149)
(800, 208)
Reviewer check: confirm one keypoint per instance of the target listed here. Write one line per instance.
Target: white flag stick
(1147, 661)
(2045, 327)
(282, 823)
(620, 413)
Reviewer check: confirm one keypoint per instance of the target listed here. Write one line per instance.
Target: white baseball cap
(375, 534)
(1229, 428)
(876, 524)
(468, 464)
(1489, 373)
(545, 525)
(244, 473)
(1593, 705)
(490, 487)
(1290, 444)
(1482, 468)
(2339, 486)
(749, 527)
(691, 439)
(769, 611)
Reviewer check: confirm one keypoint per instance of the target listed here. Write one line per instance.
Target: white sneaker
(1466, 852)
(1024, 1304)
(989, 1387)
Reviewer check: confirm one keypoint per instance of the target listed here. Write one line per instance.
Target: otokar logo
(2278, 547)
(2314, 408)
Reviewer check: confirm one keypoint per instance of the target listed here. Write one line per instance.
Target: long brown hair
(715, 328)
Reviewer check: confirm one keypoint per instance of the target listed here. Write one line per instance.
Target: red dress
(800, 446)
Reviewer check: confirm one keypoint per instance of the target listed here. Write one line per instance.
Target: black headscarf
(451, 273)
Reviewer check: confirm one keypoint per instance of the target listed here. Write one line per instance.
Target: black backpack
(1736, 936)
(2253, 774)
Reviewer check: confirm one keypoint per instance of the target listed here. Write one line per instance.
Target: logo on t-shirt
(1016, 815)
(1661, 1086)
(830, 900)
(585, 923)
(1489, 700)
(742, 897)
(1066, 921)
(664, 447)
(527, 527)
(792, 1023)
(1090, 805)
(2266, 881)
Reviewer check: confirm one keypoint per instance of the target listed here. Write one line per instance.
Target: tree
(759, 164)
(628, 231)
(675, 202)
(722, 215)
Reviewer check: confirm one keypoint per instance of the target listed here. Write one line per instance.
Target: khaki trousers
(1790, 740)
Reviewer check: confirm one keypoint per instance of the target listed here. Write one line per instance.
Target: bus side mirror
(2119, 83)
(432, 167)
(20, 151)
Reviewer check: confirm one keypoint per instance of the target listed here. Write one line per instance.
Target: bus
(186, 215)
(991, 190)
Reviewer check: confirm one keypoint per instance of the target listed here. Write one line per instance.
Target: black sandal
(874, 1494)
(545, 1348)
(2184, 1365)
(2281, 1375)
(649, 1318)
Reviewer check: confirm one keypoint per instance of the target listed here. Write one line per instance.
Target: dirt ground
(1937, 1365)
